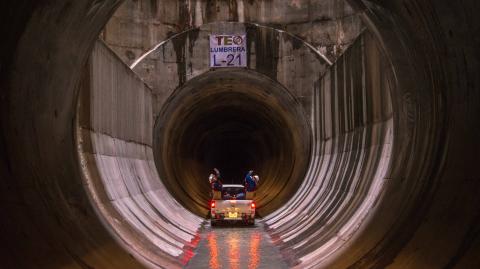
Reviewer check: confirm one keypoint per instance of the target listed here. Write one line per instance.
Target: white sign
(228, 50)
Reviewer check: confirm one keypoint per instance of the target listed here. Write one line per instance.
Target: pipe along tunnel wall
(425, 217)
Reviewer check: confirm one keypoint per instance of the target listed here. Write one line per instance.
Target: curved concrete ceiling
(422, 150)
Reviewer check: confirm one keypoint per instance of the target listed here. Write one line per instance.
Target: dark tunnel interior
(232, 139)
(393, 184)
(235, 121)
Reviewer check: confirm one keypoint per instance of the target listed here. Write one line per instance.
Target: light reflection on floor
(233, 250)
(236, 247)
(254, 256)
(212, 245)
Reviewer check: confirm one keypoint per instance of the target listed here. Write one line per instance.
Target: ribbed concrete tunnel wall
(427, 217)
(353, 136)
(115, 150)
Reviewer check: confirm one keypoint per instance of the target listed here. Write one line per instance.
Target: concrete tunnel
(367, 148)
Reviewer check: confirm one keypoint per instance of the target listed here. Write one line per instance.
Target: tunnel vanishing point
(361, 116)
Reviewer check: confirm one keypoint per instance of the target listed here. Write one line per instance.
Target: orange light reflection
(233, 251)
(254, 252)
(212, 245)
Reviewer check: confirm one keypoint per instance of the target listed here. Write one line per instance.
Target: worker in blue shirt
(250, 184)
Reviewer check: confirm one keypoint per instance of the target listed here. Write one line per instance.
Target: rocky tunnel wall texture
(425, 217)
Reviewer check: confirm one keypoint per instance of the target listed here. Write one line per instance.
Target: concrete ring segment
(392, 178)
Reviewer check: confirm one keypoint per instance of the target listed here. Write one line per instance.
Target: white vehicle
(232, 206)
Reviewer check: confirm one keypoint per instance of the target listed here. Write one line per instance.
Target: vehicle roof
(233, 186)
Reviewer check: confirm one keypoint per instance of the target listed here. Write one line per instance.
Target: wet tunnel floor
(236, 247)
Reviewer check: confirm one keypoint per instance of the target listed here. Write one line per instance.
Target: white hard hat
(257, 179)
(211, 178)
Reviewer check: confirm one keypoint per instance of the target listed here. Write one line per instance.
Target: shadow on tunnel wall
(427, 216)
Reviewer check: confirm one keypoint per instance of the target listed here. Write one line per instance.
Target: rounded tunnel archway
(47, 212)
(235, 120)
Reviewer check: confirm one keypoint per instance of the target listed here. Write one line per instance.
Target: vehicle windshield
(233, 193)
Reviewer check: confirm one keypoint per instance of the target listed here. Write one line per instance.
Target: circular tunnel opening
(235, 139)
(70, 231)
(235, 120)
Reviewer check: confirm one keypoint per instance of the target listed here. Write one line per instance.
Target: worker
(250, 184)
(214, 179)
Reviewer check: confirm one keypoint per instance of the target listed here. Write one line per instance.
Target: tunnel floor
(236, 247)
